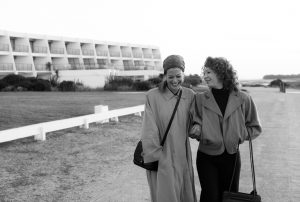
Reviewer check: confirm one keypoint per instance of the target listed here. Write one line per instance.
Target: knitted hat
(173, 61)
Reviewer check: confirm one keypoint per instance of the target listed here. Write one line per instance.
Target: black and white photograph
(149, 101)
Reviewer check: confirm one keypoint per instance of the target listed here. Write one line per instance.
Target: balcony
(39, 49)
(91, 66)
(73, 51)
(148, 55)
(156, 56)
(126, 54)
(88, 52)
(102, 53)
(61, 66)
(115, 54)
(23, 67)
(41, 67)
(137, 55)
(55, 50)
(4, 47)
(77, 66)
(6, 67)
(21, 48)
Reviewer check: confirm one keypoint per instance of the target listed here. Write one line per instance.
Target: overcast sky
(257, 36)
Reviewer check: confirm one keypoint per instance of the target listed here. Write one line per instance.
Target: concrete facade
(84, 60)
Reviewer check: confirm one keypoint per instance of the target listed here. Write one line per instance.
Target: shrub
(193, 80)
(115, 83)
(13, 79)
(67, 86)
(124, 88)
(109, 86)
(276, 83)
(155, 81)
(3, 84)
(54, 81)
(141, 85)
(41, 85)
(26, 84)
(122, 81)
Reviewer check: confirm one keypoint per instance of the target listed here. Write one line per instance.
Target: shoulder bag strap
(254, 192)
(171, 120)
(252, 166)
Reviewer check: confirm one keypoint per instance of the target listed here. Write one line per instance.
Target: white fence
(39, 130)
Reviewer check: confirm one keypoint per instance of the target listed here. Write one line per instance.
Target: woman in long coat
(174, 179)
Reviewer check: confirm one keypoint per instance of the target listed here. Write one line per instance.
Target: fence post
(41, 136)
(138, 114)
(86, 124)
(101, 109)
(115, 119)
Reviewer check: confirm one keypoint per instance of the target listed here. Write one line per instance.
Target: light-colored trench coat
(174, 180)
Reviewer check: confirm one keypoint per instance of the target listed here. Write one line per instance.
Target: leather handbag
(239, 196)
(138, 157)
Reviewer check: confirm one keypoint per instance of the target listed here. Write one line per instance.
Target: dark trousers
(215, 174)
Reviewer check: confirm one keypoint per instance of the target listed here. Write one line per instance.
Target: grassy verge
(25, 108)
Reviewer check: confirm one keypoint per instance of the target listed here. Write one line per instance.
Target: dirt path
(96, 164)
(277, 157)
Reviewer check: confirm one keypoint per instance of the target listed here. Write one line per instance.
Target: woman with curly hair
(224, 117)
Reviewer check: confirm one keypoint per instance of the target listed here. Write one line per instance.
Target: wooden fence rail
(39, 130)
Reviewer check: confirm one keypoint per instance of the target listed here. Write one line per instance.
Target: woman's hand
(195, 132)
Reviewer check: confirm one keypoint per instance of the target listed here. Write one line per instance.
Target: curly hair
(224, 71)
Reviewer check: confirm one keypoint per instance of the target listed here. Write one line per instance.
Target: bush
(26, 84)
(54, 81)
(277, 83)
(41, 85)
(3, 84)
(193, 80)
(67, 86)
(13, 79)
(155, 81)
(141, 85)
(109, 86)
(118, 83)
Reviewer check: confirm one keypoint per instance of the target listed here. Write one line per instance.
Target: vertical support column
(86, 124)
(101, 109)
(138, 114)
(115, 119)
(41, 136)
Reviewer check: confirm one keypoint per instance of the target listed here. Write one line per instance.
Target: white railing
(39, 130)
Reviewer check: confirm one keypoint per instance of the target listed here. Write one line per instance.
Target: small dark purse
(239, 196)
(137, 156)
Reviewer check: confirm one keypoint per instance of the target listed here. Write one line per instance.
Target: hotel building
(88, 61)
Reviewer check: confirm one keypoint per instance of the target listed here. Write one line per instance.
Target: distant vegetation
(282, 76)
(14, 82)
(127, 84)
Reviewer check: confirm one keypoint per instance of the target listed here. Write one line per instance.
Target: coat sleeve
(150, 135)
(251, 119)
(196, 111)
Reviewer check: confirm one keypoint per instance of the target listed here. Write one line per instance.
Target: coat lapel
(210, 103)
(234, 101)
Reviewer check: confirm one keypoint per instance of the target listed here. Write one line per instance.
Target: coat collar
(168, 95)
(234, 101)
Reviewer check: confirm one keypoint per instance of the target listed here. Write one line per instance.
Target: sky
(258, 37)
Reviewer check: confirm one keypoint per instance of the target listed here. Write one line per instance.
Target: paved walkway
(276, 154)
(277, 150)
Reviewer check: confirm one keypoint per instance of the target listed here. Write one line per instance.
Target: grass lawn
(25, 108)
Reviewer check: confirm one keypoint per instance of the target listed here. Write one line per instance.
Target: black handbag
(239, 196)
(138, 158)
